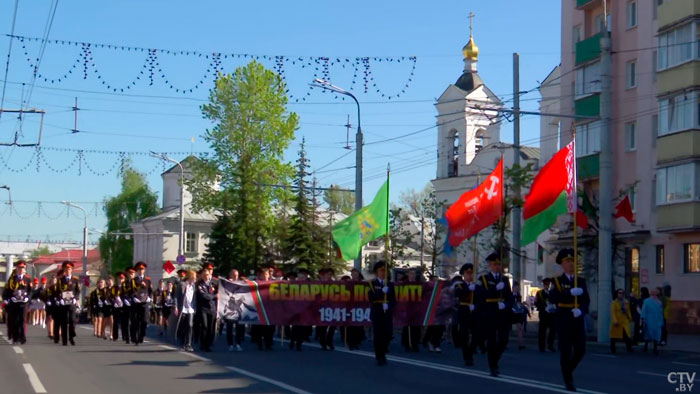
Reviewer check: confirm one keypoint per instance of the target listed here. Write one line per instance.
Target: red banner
(338, 303)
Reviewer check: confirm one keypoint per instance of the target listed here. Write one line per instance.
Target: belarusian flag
(363, 226)
(552, 194)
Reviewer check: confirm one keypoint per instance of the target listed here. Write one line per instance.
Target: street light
(85, 241)
(323, 84)
(9, 194)
(181, 238)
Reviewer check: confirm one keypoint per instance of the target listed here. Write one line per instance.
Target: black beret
(566, 253)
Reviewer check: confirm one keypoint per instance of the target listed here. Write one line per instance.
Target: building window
(588, 79)
(676, 113)
(675, 46)
(587, 139)
(692, 258)
(654, 62)
(675, 184)
(654, 129)
(479, 140)
(659, 259)
(576, 34)
(599, 24)
(630, 136)
(631, 14)
(631, 75)
(190, 242)
(453, 162)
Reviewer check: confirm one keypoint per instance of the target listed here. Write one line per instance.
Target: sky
(150, 115)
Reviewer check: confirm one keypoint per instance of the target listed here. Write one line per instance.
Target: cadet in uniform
(120, 312)
(206, 310)
(471, 297)
(141, 293)
(16, 295)
(68, 292)
(325, 334)
(497, 309)
(545, 332)
(569, 303)
(298, 333)
(383, 300)
(49, 299)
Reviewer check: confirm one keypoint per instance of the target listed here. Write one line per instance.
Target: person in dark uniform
(120, 311)
(206, 309)
(141, 293)
(471, 298)
(545, 332)
(298, 333)
(325, 334)
(48, 298)
(16, 294)
(497, 308)
(68, 293)
(569, 302)
(259, 333)
(127, 293)
(54, 297)
(355, 334)
(410, 335)
(383, 300)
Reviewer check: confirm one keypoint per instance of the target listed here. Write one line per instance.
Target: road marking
(681, 363)
(18, 349)
(34, 379)
(651, 373)
(200, 358)
(167, 347)
(268, 380)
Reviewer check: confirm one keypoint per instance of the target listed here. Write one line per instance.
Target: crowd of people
(185, 308)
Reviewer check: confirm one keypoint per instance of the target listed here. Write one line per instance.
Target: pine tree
(220, 249)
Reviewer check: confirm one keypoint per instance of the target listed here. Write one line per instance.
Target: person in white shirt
(185, 309)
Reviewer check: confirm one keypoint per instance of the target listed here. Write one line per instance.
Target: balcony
(678, 146)
(588, 49)
(679, 77)
(588, 106)
(679, 217)
(588, 167)
(583, 4)
(673, 11)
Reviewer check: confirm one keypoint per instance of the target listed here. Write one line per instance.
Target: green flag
(363, 226)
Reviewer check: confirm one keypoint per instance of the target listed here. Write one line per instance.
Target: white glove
(500, 286)
(385, 307)
(472, 287)
(576, 312)
(100, 303)
(72, 301)
(136, 300)
(61, 301)
(385, 289)
(13, 299)
(48, 303)
(148, 299)
(126, 302)
(501, 305)
(576, 291)
(550, 308)
(26, 299)
(471, 307)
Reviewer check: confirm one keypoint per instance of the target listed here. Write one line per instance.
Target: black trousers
(497, 332)
(433, 335)
(382, 327)
(625, 338)
(354, 336)
(545, 332)
(185, 328)
(16, 315)
(239, 333)
(410, 338)
(325, 336)
(116, 322)
(468, 337)
(207, 329)
(262, 335)
(139, 312)
(66, 323)
(299, 334)
(572, 342)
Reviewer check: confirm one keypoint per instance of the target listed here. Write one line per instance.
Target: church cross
(471, 24)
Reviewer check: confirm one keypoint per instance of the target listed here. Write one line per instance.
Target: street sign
(180, 259)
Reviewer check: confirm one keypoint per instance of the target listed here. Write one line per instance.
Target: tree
(252, 128)
(423, 205)
(305, 245)
(338, 200)
(135, 202)
(220, 248)
(41, 251)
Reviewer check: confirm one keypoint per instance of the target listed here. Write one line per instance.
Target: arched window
(479, 140)
(453, 162)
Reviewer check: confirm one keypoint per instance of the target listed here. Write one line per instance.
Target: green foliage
(339, 200)
(252, 128)
(220, 248)
(41, 251)
(135, 202)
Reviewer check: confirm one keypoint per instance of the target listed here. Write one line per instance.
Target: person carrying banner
(234, 344)
(569, 300)
(471, 298)
(68, 293)
(410, 335)
(325, 334)
(261, 334)
(299, 334)
(383, 300)
(206, 310)
(498, 303)
(16, 295)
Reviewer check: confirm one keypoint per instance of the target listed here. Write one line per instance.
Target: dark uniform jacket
(468, 297)
(560, 295)
(206, 296)
(18, 288)
(492, 296)
(378, 298)
(141, 289)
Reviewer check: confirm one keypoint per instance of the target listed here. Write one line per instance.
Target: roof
(526, 152)
(74, 255)
(174, 213)
(469, 81)
(184, 163)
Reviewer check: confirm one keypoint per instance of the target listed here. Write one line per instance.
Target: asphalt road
(99, 366)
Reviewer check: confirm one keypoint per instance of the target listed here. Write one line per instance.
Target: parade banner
(337, 303)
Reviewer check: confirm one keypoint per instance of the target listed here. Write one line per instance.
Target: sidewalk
(676, 343)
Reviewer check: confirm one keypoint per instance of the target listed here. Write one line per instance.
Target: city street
(99, 366)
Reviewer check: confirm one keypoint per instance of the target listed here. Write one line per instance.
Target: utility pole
(515, 266)
(605, 161)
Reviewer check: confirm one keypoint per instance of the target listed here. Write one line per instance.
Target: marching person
(54, 296)
(325, 334)
(470, 297)
(499, 301)
(298, 334)
(355, 334)
(383, 300)
(92, 310)
(16, 294)
(410, 335)
(42, 303)
(168, 304)
(108, 309)
(158, 303)
(262, 334)
(239, 327)
(141, 292)
(68, 293)
(570, 303)
(128, 309)
(545, 331)
(185, 309)
(49, 298)
(620, 321)
(100, 308)
(120, 312)
(206, 310)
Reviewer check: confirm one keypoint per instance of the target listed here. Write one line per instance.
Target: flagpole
(387, 255)
(575, 208)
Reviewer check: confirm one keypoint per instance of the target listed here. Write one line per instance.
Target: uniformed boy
(141, 293)
(383, 300)
(471, 297)
(67, 295)
(497, 309)
(16, 296)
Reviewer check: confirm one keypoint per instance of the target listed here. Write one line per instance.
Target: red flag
(581, 219)
(168, 267)
(624, 210)
(477, 208)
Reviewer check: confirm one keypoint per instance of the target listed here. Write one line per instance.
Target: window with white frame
(675, 184)
(676, 113)
(631, 14)
(631, 75)
(630, 143)
(588, 79)
(676, 46)
(190, 242)
(587, 139)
